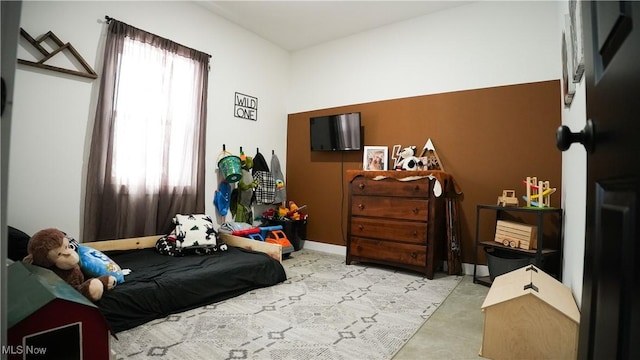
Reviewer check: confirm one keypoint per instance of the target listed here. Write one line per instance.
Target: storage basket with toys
(293, 221)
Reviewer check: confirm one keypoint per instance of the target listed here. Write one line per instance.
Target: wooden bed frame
(273, 250)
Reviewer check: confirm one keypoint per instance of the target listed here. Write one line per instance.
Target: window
(148, 144)
(155, 100)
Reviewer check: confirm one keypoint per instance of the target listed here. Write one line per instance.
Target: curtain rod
(109, 19)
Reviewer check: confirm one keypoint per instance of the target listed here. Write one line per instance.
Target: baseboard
(328, 248)
(481, 270)
(467, 269)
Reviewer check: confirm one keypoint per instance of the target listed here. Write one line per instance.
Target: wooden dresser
(397, 221)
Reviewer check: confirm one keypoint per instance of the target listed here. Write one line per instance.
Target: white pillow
(196, 231)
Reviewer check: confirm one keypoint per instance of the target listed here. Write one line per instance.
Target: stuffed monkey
(49, 248)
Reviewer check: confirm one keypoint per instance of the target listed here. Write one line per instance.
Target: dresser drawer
(391, 230)
(391, 187)
(390, 207)
(388, 251)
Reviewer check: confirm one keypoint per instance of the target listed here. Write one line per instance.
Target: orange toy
(280, 238)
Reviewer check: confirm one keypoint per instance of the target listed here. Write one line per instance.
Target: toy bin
(230, 167)
(296, 231)
(502, 261)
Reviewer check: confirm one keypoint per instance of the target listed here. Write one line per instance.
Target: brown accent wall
(487, 139)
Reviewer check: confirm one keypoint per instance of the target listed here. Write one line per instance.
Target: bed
(161, 285)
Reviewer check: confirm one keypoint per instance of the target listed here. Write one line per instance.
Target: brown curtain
(116, 208)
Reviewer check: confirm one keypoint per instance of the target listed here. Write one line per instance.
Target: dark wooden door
(610, 311)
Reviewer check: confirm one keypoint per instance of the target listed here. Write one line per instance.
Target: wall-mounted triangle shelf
(48, 55)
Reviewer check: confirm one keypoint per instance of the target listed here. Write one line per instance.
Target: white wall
(574, 201)
(574, 186)
(480, 45)
(53, 113)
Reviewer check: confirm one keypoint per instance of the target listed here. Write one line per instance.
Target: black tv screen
(336, 132)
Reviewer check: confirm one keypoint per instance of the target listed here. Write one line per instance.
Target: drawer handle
(361, 206)
(361, 186)
(417, 188)
(415, 233)
(360, 227)
(414, 255)
(415, 210)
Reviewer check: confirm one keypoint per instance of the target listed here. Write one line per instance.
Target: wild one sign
(246, 107)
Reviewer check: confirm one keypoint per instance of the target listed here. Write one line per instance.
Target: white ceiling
(295, 25)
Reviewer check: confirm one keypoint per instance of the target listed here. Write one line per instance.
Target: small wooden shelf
(36, 43)
(548, 256)
(497, 245)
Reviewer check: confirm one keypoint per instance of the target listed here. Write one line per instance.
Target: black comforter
(161, 285)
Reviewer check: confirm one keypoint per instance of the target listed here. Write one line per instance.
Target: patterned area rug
(324, 310)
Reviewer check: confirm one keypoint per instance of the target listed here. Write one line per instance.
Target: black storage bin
(296, 231)
(503, 261)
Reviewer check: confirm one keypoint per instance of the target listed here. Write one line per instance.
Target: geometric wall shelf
(48, 55)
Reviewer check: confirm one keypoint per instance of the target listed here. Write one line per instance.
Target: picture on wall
(375, 158)
(568, 85)
(577, 49)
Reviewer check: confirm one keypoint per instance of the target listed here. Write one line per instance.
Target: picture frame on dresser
(375, 158)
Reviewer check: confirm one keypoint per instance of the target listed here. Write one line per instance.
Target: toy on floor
(253, 233)
(508, 198)
(280, 238)
(271, 234)
(274, 234)
(538, 192)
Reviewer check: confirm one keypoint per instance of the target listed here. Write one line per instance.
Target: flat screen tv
(336, 132)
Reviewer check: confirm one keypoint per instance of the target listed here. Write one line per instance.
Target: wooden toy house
(529, 315)
(49, 318)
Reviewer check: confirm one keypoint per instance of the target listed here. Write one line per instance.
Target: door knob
(564, 137)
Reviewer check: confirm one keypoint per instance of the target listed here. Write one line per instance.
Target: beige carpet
(325, 310)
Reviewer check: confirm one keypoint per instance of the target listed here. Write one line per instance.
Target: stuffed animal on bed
(49, 248)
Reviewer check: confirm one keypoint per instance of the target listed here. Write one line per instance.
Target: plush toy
(49, 248)
(242, 197)
(292, 212)
(408, 160)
